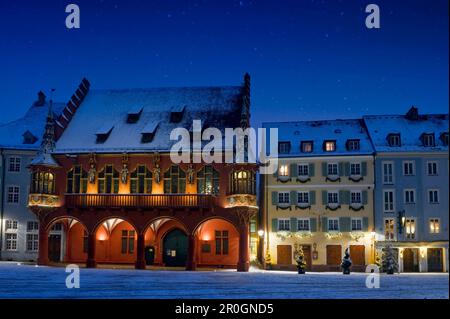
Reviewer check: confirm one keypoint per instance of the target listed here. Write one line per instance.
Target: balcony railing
(138, 200)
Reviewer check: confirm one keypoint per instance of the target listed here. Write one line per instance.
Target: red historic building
(106, 191)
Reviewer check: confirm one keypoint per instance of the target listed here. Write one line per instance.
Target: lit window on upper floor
(283, 170)
(329, 146)
(394, 140)
(353, 145)
(284, 147)
(428, 140)
(306, 146)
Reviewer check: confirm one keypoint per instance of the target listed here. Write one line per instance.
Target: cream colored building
(321, 197)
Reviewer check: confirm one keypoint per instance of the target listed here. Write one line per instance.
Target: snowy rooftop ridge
(152, 110)
(410, 130)
(317, 132)
(26, 132)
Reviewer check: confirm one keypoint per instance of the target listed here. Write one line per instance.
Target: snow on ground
(28, 281)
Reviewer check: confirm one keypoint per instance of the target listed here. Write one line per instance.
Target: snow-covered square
(28, 281)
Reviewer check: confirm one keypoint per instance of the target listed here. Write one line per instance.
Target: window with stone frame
(108, 180)
(141, 180)
(208, 180)
(77, 180)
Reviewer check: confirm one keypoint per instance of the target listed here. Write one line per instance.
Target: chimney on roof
(412, 114)
(41, 99)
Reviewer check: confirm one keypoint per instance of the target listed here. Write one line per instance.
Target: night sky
(308, 59)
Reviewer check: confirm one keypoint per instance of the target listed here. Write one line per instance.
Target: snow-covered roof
(380, 126)
(216, 106)
(318, 132)
(33, 122)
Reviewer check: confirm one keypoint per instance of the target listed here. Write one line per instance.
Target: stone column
(191, 263)
(244, 260)
(43, 245)
(90, 262)
(140, 253)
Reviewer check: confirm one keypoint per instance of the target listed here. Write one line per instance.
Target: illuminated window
(77, 180)
(222, 244)
(330, 146)
(243, 182)
(108, 180)
(174, 180)
(208, 181)
(43, 183)
(283, 170)
(306, 146)
(141, 180)
(389, 229)
(410, 225)
(128, 241)
(435, 226)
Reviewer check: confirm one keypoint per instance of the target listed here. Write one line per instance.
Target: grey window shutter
(274, 198)
(293, 197)
(274, 224)
(324, 169)
(365, 225)
(312, 197)
(324, 197)
(364, 168)
(343, 197)
(293, 224)
(341, 168)
(293, 170)
(324, 224)
(313, 224)
(344, 224)
(311, 170)
(347, 169)
(364, 197)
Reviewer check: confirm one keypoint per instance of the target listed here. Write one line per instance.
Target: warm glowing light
(102, 237)
(261, 233)
(284, 170)
(206, 238)
(422, 252)
(401, 253)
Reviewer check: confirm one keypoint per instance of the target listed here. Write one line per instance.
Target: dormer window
(353, 145)
(284, 147)
(329, 146)
(394, 140)
(306, 146)
(428, 140)
(444, 138)
(103, 133)
(134, 114)
(149, 131)
(29, 138)
(176, 114)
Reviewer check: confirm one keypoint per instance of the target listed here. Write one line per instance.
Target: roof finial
(48, 141)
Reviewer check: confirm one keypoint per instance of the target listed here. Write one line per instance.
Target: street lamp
(261, 233)
(401, 221)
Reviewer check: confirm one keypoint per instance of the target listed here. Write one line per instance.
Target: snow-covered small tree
(389, 260)
(346, 263)
(300, 259)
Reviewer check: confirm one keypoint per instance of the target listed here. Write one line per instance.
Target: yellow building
(321, 197)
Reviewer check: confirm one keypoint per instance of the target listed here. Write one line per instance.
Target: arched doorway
(175, 248)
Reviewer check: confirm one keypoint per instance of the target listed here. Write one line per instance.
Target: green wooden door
(175, 248)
